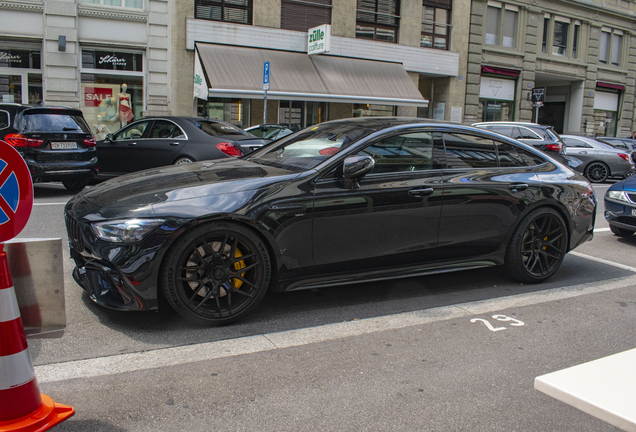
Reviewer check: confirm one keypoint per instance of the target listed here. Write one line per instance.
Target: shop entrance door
(20, 87)
(553, 114)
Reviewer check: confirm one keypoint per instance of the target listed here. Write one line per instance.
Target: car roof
(511, 123)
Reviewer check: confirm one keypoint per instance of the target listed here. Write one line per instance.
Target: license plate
(63, 145)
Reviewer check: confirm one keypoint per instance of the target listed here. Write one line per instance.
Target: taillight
(553, 147)
(18, 140)
(90, 142)
(229, 149)
(624, 156)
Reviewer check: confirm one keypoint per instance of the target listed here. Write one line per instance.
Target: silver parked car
(600, 160)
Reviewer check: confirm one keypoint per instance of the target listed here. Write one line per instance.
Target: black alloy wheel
(620, 231)
(75, 185)
(216, 273)
(597, 172)
(537, 247)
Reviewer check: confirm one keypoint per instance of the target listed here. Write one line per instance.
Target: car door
(160, 145)
(483, 197)
(392, 218)
(118, 154)
(579, 149)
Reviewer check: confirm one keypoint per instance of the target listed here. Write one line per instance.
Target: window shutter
(303, 15)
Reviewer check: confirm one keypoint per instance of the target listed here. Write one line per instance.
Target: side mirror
(354, 168)
(109, 137)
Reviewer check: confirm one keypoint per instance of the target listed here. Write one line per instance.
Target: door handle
(518, 187)
(285, 207)
(421, 192)
(175, 144)
(583, 152)
(132, 144)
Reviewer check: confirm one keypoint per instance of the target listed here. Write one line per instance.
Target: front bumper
(620, 215)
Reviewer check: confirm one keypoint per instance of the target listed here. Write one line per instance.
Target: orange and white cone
(22, 407)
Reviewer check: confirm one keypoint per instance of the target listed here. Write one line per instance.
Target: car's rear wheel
(75, 185)
(597, 172)
(216, 273)
(621, 232)
(183, 160)
(537, 247)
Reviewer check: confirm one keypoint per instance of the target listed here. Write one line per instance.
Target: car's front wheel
(537, 247)
(621, 232)
(75, 185)
(597, 172)
(216, 273)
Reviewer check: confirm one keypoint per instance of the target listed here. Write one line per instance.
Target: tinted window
(219, 129)
(164, 129)
(513, 156)
(135, 130)
(573, 142)
(408, 152)
(525, 133)
(4, 119)
(469, 151)
(504, 130)
(54, 122)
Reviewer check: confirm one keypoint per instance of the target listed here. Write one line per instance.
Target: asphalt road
(412, 354)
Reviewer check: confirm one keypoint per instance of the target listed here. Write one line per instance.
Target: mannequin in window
(124, 106)
(100, 129)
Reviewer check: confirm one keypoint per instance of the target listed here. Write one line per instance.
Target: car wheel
(621, 232)
(183, 160)
(597, 172)
(216, 273)
(537, 247)
(75, 185)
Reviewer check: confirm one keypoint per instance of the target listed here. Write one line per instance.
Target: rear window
(54, 122)
(4, 119)
(219, 129)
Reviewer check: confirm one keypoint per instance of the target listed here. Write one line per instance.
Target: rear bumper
(60, 171)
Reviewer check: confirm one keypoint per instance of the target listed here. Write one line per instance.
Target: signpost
(265, 87)
(538, 99)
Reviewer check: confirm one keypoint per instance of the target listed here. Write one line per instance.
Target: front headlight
(125, 231)
(617, 195)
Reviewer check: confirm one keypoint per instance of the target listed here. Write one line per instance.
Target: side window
(525, 133)
(133, 131)
(469, 151)
(513, 156)
(573, 142)
(504, 130)
(162, 129)
(4, 119)
(408, 152)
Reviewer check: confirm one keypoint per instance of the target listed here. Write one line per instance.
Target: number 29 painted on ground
(513, 322)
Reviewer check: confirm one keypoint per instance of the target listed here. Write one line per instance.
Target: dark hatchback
(154, 142)
(341, 202)
(55, 142)
(620, 207)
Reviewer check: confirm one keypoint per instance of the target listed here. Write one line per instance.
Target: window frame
(611, 48)
(225, 4)
(122, 6)
(501, 24)
(378, 25)
(306, 6)
(572, 48)
(435, 24)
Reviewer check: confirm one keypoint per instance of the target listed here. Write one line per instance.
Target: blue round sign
(16, 192)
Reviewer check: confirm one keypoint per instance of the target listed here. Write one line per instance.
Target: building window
(562, 34)
(133, 4)
(301, 15)
(235, 11)
(378, 20)
(501, 24)
(436, 24)
(611, 46)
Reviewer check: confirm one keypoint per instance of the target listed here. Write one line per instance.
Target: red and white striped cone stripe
(19, 392)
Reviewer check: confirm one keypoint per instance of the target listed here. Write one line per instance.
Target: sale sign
(93, 96)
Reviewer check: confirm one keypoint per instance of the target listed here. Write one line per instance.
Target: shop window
(436, 24)
(301, 15)
(496, 110)
(134, 4)
(235, 11)
(611, 46)
(562, 35)
(501, 24)
(378, 20)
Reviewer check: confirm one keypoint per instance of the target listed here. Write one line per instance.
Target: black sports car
(158, 141)
(341, 202)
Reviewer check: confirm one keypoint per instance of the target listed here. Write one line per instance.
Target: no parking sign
(16, 192)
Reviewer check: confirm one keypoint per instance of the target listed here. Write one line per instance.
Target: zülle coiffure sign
(319, 39)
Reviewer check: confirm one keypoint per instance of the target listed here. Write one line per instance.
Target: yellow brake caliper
(544, 247)
(237, 266)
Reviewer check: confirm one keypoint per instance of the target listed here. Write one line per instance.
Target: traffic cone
(22, 407)
(23, 286)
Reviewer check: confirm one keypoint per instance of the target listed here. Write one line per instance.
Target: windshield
(306, 149)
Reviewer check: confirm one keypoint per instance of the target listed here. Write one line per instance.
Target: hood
(629, 184)
(179, 182)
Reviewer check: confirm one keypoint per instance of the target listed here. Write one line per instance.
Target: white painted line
(48, 204)
(601, 229)
(602, 261)
(166, 357)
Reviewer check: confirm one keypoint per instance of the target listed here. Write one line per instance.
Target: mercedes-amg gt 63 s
(340, 202)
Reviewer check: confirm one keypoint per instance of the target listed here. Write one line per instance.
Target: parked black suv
(542, 137)
(55, 142)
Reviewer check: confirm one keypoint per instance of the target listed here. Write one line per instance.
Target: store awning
(237, 72)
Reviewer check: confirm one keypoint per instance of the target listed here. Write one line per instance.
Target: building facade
(375, 44)
(581, 53)
(108, 57)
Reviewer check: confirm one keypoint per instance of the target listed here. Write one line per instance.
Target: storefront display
(20, 75)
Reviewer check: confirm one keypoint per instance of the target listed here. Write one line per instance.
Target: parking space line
(174, 356)
(602, 261)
